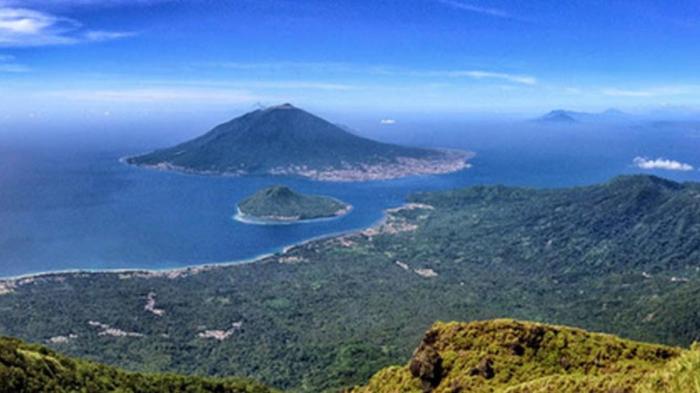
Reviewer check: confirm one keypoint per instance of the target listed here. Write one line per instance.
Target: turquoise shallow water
(65, 207)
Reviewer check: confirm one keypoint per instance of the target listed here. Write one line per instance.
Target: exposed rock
(484, 369)
(426, 363)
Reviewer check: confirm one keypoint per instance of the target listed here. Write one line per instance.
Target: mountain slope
(512, 356)
(285, 140)
(32, 368)
(620, 257)
(558, 116)
(280, 203)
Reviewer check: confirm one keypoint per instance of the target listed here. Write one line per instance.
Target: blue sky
(423, 56)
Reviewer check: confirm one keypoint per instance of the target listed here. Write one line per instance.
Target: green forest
(620, 257)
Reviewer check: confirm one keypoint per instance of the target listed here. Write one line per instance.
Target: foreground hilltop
(499, 355)
(521, 357)
(282, 204)
(285, 140)
(26, 368)
(620, 257)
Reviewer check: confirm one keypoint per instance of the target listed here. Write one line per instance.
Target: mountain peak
(286, 140)
(558, 116)
(284, 106)
(613, 111)
(626, 182)
(569, 116)
(279, 191)
(488, 356)
(281, 203)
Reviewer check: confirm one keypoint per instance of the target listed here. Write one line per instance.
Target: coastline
(454, 160)
(8, 283)
(252, 220)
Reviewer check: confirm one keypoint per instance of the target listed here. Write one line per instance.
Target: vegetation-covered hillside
(28, 368)
(280, 203)
(620, 257)
(522, 357)
(285, 140)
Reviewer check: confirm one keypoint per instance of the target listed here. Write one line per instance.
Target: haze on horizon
(77, 59)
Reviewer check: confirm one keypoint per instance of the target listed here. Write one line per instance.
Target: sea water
(69, 206)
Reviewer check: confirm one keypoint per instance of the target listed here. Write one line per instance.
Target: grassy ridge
(488, 356)
(521, 357)
(32, 368)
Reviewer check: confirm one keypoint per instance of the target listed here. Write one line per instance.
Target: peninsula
(285, 140)
(282, 204)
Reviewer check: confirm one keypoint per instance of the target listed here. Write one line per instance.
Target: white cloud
(23, 27)
(98, 35)
(661, 163)
(259, 84)
(387, 121)
(383, 70)
(460, 5)
(522, 79)
(144, 95)
(78, 3)
(302, 85)
(477, 74)
(627, 93)
(653, 91)
(292, 66)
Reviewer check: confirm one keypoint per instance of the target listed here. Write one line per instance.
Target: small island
(281, 204)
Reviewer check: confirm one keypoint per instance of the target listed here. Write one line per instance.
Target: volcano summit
(285, 140)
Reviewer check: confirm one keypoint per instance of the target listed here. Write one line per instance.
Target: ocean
(67, 205)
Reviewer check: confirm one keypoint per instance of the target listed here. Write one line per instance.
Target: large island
(329, 313)
(285, 140)
(281, 204)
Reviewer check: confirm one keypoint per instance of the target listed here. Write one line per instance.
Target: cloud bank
(661, 163)
(23, 27)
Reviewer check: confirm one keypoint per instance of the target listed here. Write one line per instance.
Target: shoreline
(252, 220)
(10, 281)
(458, 161)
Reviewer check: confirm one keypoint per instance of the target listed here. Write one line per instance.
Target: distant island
(563, 116)
(285, 140)
(282, 204)
(558, 116)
